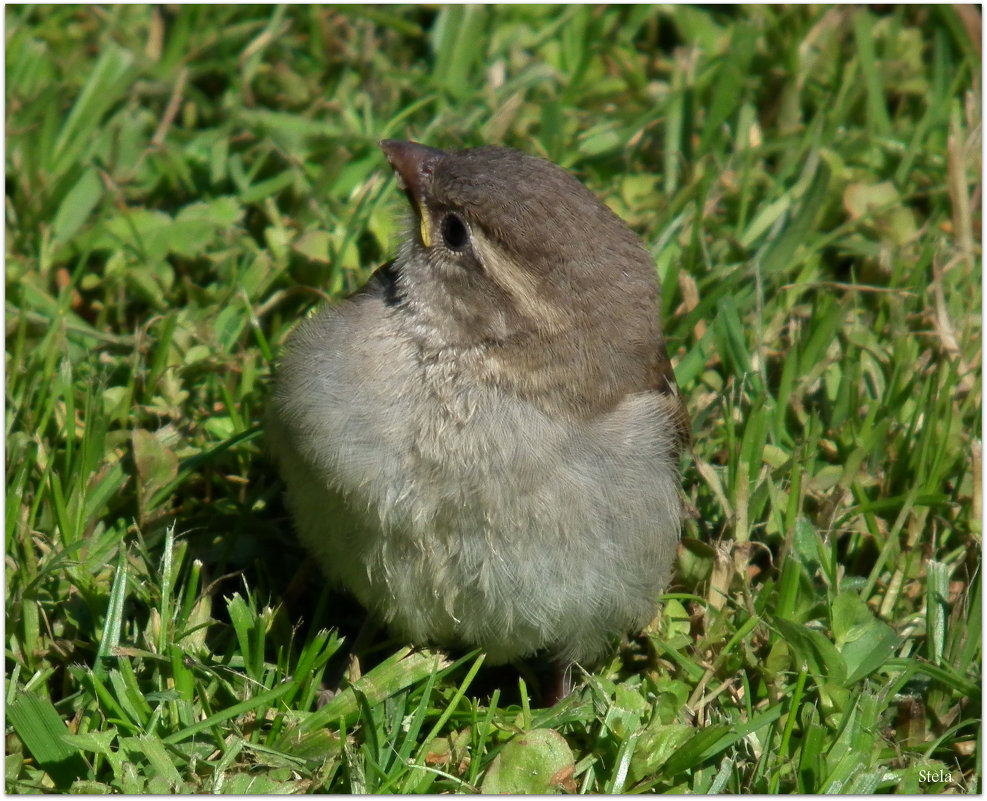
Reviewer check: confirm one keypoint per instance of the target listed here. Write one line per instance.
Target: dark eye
(455, 234)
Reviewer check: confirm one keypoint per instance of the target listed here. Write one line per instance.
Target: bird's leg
(349, 669)
(560, 685)
(363, 638)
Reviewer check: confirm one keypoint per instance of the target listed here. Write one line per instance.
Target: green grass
(184, 183)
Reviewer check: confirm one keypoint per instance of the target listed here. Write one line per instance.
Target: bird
(482, 445)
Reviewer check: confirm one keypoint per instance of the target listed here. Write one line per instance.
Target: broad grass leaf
(538, 762)
(814, 650)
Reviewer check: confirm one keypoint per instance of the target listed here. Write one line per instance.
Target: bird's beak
(413, 164)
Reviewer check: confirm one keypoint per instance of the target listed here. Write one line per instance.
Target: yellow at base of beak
(426, 225)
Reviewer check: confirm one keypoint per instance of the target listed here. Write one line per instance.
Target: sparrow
(482, 445)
